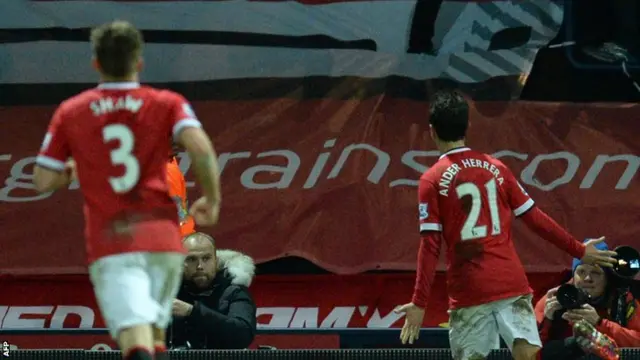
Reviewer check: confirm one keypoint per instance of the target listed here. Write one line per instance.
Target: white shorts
(136, 288)
(475, 331)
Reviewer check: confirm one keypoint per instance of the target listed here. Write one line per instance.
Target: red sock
(161, 352)
(539, 355)
(138, 353)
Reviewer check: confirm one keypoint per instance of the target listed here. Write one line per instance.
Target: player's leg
(523, 350)
(135, 342)
(166, 273)
(518, 327)
(123, 292)
(160, 343)
(473, 333)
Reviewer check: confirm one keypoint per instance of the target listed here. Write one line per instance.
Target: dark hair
(449, 115)
(117, 47)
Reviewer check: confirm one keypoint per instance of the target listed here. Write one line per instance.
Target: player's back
(120, 137)
(475, 205)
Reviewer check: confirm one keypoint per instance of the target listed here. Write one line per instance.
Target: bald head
(201, 264)
(199, 240)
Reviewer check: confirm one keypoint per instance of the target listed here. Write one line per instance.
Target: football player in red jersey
(119, 135)
(468, 200)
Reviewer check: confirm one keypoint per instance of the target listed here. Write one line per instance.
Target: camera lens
(571, 297)
(628, 262)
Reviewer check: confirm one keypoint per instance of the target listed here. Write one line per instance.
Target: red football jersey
(119, 135)
(470, 197)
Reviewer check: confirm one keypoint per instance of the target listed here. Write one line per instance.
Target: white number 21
(122, 156)
(470, 229)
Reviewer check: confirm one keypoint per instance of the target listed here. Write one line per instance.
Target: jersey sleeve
(54, 151)
(519, 201)
(182, 116)
(428, 211)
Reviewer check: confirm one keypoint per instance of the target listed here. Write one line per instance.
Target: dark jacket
(223, 316)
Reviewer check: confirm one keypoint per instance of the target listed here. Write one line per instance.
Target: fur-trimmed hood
(223, 315)
(238, 267)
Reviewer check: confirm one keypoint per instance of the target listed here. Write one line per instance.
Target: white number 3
(122, 156)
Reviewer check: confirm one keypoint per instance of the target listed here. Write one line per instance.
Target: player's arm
(430, 242)
(543, 225)
(46, 180)
(187, 131)
(53, 170)
(204, 161)
(428, 254)
(547, 228)
(524, 207)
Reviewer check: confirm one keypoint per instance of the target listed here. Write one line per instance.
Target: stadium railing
(354, 338)
(355, 344)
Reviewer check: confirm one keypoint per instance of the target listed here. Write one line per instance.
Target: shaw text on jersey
(107, 105)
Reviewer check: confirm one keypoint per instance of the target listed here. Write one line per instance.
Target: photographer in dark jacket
(214, 309)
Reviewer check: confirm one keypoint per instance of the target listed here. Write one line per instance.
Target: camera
(571, 297)
(627, 267)
(628, 264)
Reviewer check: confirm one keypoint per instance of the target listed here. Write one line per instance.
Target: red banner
(335, 181)
(294, 302)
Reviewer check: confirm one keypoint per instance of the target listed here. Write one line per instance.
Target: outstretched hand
(593, 255)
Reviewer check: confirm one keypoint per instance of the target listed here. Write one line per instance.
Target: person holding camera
(600, 298)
